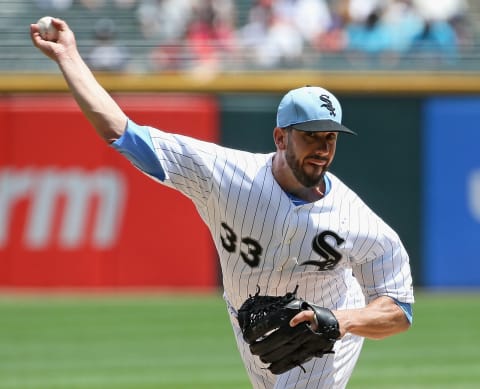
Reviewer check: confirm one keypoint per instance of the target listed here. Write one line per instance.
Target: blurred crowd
(209, 35)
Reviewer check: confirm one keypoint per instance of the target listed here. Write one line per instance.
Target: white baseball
(47, 30)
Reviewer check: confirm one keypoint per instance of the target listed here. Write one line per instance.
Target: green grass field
(160, 341)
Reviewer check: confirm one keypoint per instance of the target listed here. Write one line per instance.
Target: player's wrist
(68, 56)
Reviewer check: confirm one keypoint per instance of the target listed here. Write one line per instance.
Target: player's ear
(280, 138)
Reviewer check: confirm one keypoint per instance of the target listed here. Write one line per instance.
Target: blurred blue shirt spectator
(436, 40)
(372, 36)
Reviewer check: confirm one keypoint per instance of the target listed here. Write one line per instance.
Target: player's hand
(64, 46)
(309, 316)
(304, 316)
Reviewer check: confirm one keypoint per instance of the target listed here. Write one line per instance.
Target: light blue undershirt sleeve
(407, 309)
(136, 145)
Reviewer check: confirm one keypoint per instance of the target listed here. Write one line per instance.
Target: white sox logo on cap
(328, 104)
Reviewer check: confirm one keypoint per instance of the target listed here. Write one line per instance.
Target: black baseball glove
(264, 321)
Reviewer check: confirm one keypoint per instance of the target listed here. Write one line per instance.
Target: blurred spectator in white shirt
(107, 54)
(166, 20)
(311, 17)
(444, 10)
(269, 39)
(360, 10)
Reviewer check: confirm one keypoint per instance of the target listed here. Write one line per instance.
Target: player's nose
(322, 147)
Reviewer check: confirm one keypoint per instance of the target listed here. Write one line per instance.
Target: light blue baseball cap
(312, 109)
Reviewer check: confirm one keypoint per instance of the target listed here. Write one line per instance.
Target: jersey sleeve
(382, 267)
(183, 163)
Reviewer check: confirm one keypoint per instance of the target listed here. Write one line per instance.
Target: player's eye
(310, 134)
(331, 137)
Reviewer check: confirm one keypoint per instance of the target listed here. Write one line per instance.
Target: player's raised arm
(97, 105)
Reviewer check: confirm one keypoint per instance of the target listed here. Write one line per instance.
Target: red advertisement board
(75, 213)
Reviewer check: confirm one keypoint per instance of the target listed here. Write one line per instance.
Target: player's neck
(311, 194)
(291, 185)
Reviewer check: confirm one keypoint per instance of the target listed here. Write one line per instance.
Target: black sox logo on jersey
(251, 250)
(330, 256)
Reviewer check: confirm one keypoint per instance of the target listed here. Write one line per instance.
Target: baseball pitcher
(309, 270)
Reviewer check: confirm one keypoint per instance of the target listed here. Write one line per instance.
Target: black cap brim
(322, 126)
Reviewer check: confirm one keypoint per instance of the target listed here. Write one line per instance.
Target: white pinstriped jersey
(336, 249)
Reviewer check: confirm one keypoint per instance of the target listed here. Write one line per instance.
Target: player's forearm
(94, 101)
(380, 319)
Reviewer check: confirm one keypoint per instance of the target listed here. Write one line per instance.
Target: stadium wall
(385, 164)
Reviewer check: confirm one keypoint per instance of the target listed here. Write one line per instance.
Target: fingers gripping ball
(47, 30)
(265, 324)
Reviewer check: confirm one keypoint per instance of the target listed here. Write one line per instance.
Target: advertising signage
(75, 213)
(451, 200)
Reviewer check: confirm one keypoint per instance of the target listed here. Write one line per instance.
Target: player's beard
(307, 180)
